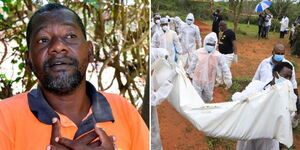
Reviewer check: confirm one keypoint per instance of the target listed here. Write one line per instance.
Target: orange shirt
(25, 121)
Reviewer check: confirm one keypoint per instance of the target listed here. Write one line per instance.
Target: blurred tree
(236, 6)
(248, 8)
(118, 30)
(281, 7)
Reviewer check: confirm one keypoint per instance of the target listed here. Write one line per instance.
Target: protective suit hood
(211, 38)
(190, 16)
(164, 20)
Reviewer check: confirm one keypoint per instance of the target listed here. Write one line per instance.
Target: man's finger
(70, 143)
(113, 138)
(55, 130)
(95, 144)
(88, 138)
(52, 147)
(105, 139)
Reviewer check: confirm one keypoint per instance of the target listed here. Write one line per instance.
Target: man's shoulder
(119, 105)
(229, 31)
(195, 26)
(266, 60)
(115, 99)
(17, 102)
(285, 60)
(17, 99)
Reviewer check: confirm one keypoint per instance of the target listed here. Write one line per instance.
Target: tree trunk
(237, 7)
(145, 107)
(212, 6)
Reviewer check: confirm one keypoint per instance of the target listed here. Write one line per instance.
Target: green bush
(252, 19)
(275, 27)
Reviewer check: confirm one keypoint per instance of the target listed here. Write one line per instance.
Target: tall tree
(281, 7)
(236, 6)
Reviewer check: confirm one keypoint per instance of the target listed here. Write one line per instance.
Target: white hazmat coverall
(178, 24)
(203, 69)
(157, 96)
(167, 40)
(189, 37)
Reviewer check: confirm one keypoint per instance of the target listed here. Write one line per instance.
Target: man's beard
(63, 82)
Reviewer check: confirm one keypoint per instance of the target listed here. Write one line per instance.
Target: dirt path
(178, 134)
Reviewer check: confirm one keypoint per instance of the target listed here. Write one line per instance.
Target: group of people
(208, 65)
(184, 47)
(264, 24)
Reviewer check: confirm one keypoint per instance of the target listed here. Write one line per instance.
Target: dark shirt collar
(44, 113)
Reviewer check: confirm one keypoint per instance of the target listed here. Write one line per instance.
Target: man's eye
(70, 36)
(43, 40)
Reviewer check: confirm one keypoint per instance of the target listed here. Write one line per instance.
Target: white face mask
(157, 21)
(279, 79)
(165, 28)
(189, 22)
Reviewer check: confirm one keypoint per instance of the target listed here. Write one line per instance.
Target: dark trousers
(264, 31)
(216, 30)
(259, 31)
(281, 34)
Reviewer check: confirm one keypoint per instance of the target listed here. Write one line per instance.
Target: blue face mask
(189, 22)
(209, 48)
(278, 58)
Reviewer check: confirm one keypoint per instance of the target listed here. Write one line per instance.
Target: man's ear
(90, 51)
(27, 62)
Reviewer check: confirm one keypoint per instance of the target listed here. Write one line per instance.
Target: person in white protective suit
(203, 68)
(282, 71)
(190, 38)
(155, 25)
(168, 40)
(178, 24)
(172, 24)
(157, 96)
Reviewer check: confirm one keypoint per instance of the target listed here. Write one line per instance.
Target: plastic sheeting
(265, 114)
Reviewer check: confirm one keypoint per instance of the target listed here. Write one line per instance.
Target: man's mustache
(60, 61)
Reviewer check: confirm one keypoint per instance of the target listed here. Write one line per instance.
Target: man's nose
(57, 46)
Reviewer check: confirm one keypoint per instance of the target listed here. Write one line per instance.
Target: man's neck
(74, 105)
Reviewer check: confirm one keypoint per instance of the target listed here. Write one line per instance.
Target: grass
(239, 84)
(213, 143)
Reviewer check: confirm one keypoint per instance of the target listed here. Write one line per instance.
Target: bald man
(264, 70)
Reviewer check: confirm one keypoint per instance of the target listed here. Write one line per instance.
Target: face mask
(189, 22)
(157, 21)
(165, 28)
(280, 79)
(278, 58)
(209, 48)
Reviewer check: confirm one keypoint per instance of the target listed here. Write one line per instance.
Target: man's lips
(60, 64)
